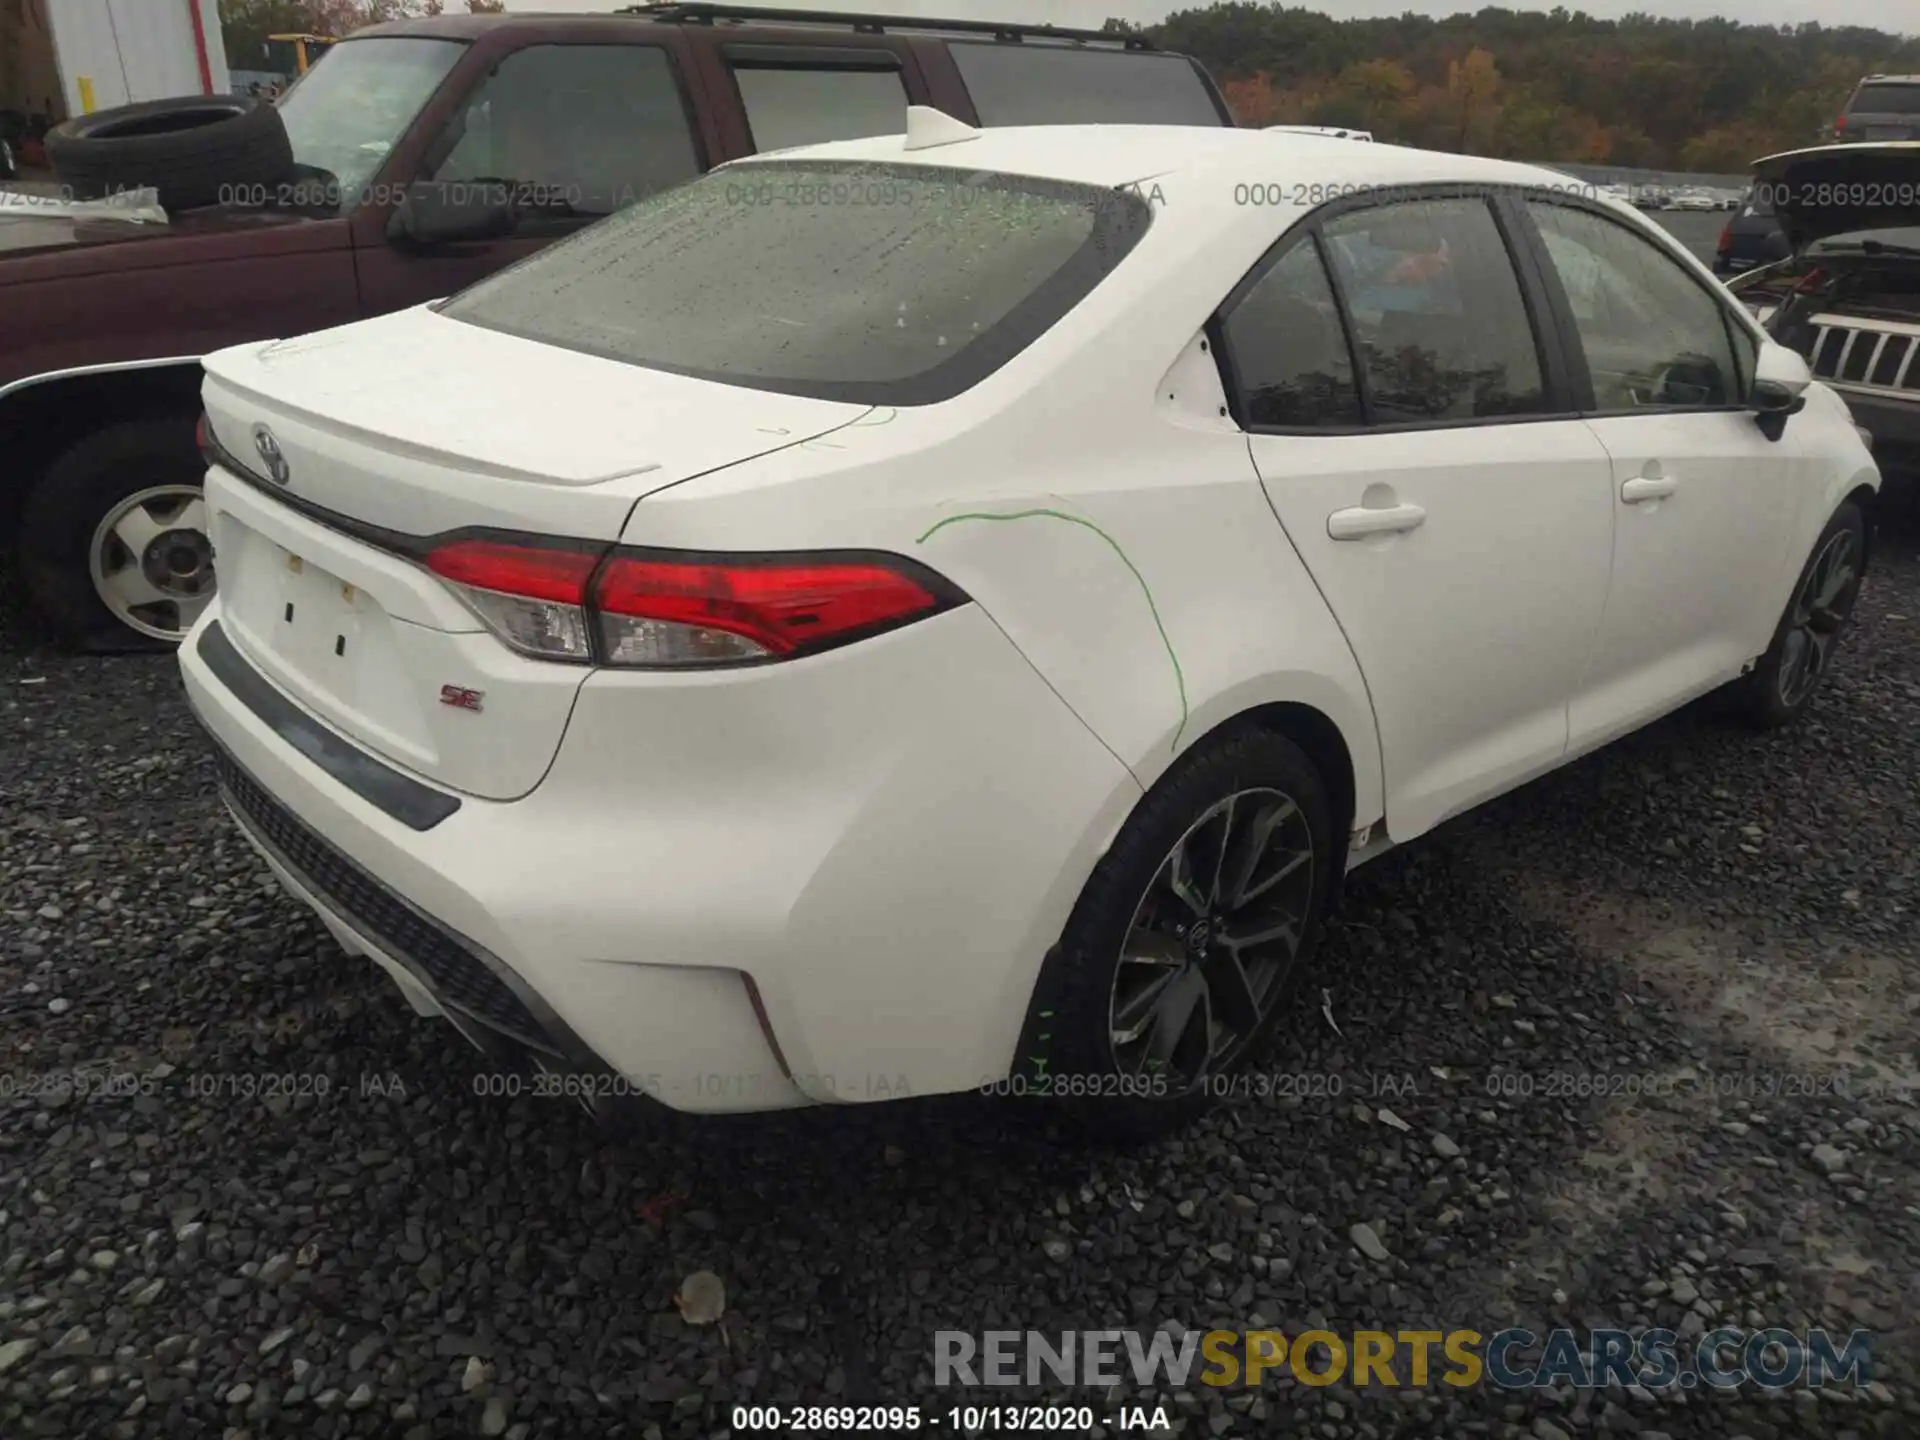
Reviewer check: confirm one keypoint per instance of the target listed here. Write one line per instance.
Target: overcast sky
(1881, 14)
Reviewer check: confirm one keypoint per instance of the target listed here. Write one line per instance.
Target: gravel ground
(400, 1256)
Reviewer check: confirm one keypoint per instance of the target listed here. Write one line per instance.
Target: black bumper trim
(463, 978)
(417, 806)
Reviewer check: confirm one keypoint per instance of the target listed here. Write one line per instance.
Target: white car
(1694, 200)
(946, 611)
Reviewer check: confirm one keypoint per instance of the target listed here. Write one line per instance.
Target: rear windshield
(1057, 85)
(1886, 100)
(872, 283)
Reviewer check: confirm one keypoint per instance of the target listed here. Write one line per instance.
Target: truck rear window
(1886, 100)
(879, 284)
(1061, 85)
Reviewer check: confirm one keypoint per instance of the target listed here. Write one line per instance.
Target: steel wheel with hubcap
(1175, 962)
(151, 562)
(1212, 939)
(112, 541)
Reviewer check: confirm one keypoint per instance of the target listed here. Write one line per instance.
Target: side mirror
(1780, 380)
(439, 212)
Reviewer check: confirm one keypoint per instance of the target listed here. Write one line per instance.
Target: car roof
(1110, 155)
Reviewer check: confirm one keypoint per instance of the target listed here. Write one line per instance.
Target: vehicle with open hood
(1848, 294)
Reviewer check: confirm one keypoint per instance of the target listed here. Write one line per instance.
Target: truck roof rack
(682, 12)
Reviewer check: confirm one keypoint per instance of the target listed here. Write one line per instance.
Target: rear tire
(1782, 685)
(197, 150)
(62, 548)
(1143, 984)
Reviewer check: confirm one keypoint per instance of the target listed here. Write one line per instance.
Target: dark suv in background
(415, 158)
(1882, 107)
(1848, 295)
(1752, 235)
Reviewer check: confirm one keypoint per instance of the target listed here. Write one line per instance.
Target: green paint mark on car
(1179, 678)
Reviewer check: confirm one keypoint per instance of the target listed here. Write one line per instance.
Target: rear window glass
(1901, 99)
(1055, 85)
(871, 283)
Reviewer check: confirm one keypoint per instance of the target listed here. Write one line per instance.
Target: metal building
(71, 57)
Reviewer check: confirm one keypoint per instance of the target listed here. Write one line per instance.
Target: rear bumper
(886, 839)
(438, 972)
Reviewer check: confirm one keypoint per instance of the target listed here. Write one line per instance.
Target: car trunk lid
(349, 451)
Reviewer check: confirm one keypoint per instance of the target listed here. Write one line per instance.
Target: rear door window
(571, 131)
(1439, 323)
(794, 95)
(871, 283)
(1050, 84)
(1286, 351)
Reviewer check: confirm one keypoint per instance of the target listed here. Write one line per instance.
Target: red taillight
(533, 597)
(663, 611)
(1726, 238)
(528, 571)
(1839, 124)
(575, 602)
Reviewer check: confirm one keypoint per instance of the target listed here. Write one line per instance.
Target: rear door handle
(1638, 492)
(1363, 520)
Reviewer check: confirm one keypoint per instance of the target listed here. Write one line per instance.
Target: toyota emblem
(270, 454)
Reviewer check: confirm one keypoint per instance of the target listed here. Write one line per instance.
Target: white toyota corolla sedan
(946, 610)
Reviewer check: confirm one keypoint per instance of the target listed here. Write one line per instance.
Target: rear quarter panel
(1093, 499)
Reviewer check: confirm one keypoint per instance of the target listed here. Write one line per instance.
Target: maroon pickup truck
(424, 155)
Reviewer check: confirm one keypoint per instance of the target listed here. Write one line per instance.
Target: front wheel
(1174, 964)
(1781, 686)
(113, 541)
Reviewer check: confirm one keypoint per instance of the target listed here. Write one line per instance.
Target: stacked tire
(195, 150)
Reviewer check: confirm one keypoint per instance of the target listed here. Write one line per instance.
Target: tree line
(1559, 85)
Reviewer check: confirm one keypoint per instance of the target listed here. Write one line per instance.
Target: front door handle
(1364, 520)
(1647, 487)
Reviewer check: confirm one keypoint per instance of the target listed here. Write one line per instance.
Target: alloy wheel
(1210, 943)
(1820, 612)
(151, 561)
